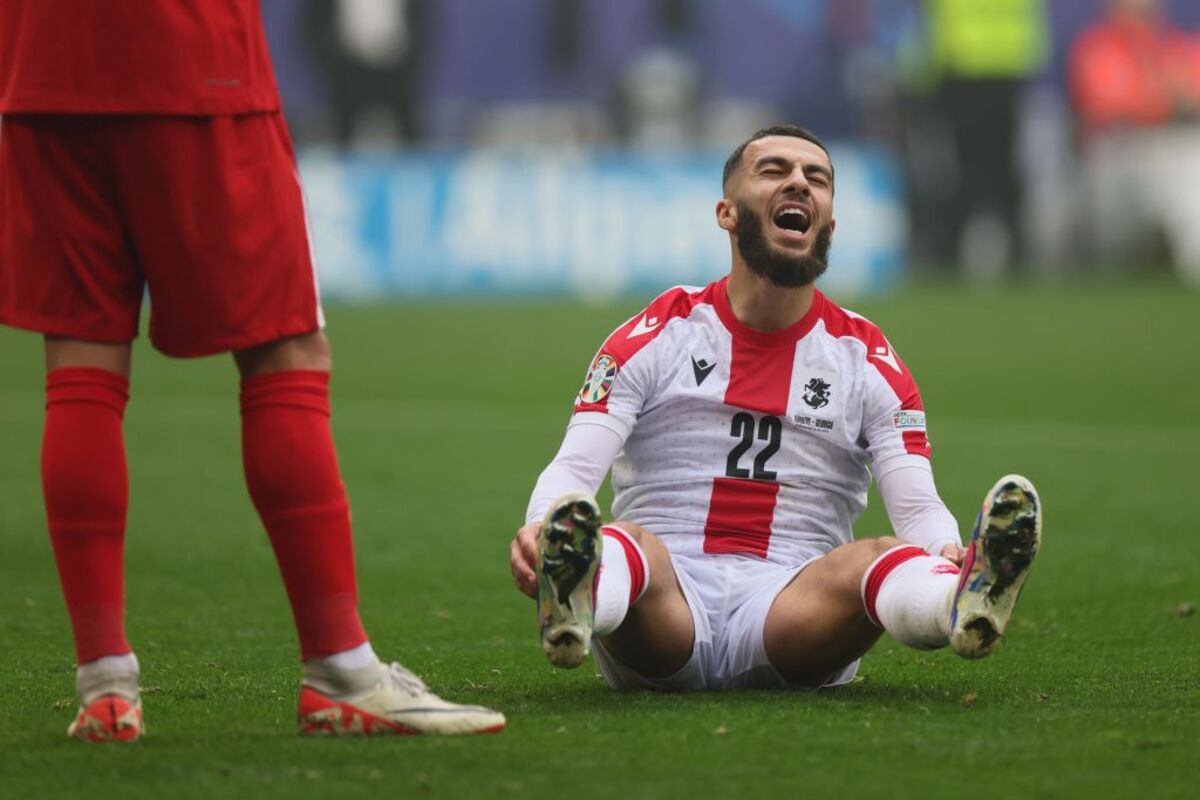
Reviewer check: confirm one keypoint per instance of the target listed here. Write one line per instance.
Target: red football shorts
(204, 212)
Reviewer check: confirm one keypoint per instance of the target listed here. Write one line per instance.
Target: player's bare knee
(309, 351)
(840, 573)
(635, 531)
(63, 352)
(870, 550)
(882, 544)
(658, 558)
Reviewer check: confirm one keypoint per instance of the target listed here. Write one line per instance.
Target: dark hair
(735, 158)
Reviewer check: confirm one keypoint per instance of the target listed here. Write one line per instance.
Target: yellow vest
(988, 38)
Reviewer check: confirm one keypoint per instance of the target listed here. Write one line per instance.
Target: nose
(797, 183)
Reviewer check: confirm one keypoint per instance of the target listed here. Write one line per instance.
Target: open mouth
(795, 220)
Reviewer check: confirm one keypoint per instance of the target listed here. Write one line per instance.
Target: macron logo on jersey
(701, 369)
(647, 324)
(884, 353)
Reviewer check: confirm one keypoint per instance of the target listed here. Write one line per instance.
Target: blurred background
(492, 147)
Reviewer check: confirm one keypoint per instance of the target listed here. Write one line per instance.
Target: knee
(308, 351)
(635, 531)
(882, 544)
(860, 565)
(657, 557)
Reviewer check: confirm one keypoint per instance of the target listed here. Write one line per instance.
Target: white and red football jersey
(739, 441)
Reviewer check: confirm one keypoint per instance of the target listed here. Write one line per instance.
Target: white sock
(354, 658)
(107, 675)
(622, 578)
(908, 593)
(347, 672)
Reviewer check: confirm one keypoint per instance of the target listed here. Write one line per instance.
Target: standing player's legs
(66, 272)
(229, 270)
(292, 474)
(85, 488)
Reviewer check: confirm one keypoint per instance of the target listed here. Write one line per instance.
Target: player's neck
(759, 304)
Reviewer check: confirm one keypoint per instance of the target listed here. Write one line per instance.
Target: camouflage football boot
(1007, 535)
(568, 555)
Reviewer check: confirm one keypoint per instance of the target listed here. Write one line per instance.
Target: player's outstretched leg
(1006, 538)
(382, 700)
(568, 555)
(110, 708)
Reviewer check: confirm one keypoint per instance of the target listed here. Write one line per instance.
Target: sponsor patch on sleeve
(904, 420)
(600, 378)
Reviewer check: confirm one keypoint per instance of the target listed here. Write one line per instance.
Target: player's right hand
(954, 553)
(522, 558)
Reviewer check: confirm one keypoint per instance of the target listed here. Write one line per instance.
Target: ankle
(346, 673)
(108, 675)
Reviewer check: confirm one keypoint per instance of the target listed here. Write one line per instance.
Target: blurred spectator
(660, 93)
(370, 52)
(982, 54)
(1135, 85)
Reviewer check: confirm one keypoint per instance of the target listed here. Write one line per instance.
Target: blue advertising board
(489, 223)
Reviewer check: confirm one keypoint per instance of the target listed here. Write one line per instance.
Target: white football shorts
(729, 596)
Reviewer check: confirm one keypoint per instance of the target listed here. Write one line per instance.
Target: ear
(726, 215)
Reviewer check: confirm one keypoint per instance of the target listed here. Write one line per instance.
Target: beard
(780, 268)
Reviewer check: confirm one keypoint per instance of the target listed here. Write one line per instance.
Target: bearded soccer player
(743, 422)
(142, 148)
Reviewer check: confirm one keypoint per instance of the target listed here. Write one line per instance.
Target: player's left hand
(522, 557)
(954, 553)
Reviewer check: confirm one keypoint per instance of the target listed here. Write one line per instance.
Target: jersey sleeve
(623, 375)
(894, 416)
(917, 513)
(582, 461)
(613, 392)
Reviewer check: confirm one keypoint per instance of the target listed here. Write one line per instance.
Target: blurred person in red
(143, 147)
(1135, 87)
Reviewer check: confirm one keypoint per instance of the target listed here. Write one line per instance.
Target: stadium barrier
(488, 223)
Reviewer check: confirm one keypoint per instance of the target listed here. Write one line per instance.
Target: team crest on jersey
(816, 393)
(600, 378)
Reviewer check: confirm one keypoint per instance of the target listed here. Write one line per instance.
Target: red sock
(86, 488)
(292, 473)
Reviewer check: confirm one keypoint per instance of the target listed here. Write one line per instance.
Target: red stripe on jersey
(839, 323)
(760, 378)
(878, 572)
(643, 328)
(760, 373)
(739, 516)
(741, 511)
(916, 443)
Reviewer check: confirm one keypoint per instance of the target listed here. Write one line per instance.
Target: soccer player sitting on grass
(743, 422)
(143, 146)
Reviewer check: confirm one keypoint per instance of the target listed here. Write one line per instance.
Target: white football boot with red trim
(568, 555)
(110, 718)
(110, 704)
(394, 703)
(1007, 535)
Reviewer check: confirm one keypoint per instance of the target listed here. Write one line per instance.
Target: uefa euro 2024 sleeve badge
(600, 378)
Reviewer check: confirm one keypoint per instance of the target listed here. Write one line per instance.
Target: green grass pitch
(444, 415)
